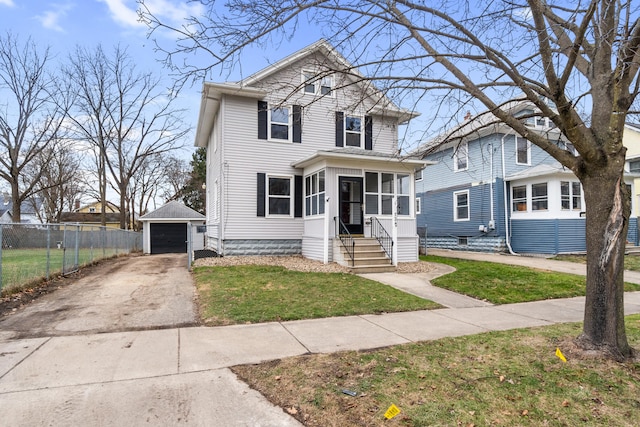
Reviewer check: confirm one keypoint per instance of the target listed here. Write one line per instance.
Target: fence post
(189, 243)
(1, 245)
(77, 254)
(48, 249)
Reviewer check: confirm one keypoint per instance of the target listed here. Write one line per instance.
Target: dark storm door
(351, 203)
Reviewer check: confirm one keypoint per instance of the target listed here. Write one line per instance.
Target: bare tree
(176, 172)
(145, 185)
(60, 183)
(576, 61)
(127, 115)
(31, 116)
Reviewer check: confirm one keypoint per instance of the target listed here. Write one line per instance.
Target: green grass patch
(508, 378)
(21, 267)
(631, 262)
(506, 284)
(250, 294)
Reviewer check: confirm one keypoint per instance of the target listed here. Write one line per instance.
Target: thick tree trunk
(608, 209)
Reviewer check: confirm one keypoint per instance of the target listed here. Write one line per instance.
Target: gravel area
(298, 263)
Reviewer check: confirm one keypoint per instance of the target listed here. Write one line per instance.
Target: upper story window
(418, 175)
(279, 123)
(353, 135)
(523, 151)
(317, 85)
(634, 166)
(461, 157)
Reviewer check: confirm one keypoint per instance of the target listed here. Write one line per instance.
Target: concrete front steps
(369, 257)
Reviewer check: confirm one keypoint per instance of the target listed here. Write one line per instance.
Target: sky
(64, 24)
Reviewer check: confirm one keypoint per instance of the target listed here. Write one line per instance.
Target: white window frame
(461, 152)
(314, 197)
(537, 199)
(528, 161)
(404, 195)
(524, 199)
(380, 195)
(312, 79)
(456, 218)
(572, 197)
(289, 125)
(361, 132)
(268, 196)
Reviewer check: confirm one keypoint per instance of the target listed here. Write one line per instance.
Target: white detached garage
(166, 229)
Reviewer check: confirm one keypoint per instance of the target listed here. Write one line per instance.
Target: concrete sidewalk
(180, 376)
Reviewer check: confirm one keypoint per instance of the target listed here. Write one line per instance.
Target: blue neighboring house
(493, 190)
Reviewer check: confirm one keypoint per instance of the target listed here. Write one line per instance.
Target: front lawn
(508, 378)
(505, 284)
(251, 294)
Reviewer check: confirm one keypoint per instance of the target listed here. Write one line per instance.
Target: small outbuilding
(166, 230)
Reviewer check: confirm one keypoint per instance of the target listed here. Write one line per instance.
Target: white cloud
(123, 14)
(51, 18)
(9, 3)
(174, 12)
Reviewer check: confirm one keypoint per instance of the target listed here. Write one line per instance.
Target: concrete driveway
(129, 293)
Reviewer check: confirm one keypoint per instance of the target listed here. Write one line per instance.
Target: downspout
(506, 202)
(491, 182)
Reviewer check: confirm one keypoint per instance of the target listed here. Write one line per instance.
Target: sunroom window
(570, 195)
(314, 194)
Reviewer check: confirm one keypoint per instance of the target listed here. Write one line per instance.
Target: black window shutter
(262, 119)
(297, 123)
(261, 194)
(368, 133)
(339, 129)
(297, 198)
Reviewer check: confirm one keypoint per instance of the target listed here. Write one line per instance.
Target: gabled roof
(173, 210)
(483, 124)
(212, 92)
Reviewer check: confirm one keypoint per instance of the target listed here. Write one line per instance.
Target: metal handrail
(382, 236)
(347, 240)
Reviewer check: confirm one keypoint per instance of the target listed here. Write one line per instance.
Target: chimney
(77, 204)
(467, 116)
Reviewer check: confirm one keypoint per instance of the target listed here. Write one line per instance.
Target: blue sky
(64, 24)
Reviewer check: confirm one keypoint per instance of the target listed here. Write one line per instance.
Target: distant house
(31, 210)
(493, 190)
(92, 214)
(302, 158)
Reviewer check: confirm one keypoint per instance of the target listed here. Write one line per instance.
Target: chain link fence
(34, 252)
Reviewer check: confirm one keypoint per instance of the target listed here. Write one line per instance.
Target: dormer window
(317, 85)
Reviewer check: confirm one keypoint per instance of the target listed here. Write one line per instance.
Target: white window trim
(318, 193)
(571, 196)
(292, 190)
(362, 130)
(527, 196)
(455, 206)
(290, 124)
(528, 163)
(456, 157)
(316, 81)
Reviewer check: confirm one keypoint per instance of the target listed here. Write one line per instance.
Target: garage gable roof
(173, 210)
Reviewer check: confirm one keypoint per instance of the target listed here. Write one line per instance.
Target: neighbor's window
(418, 205)
(570, 195)
(353, 134)
(461, 157)
(523, 154)
(461, 205)
(279, 123)
(279, 195)
(314, 194)
(418, 175)
(634, 166)
(519, 198)
(539, 199)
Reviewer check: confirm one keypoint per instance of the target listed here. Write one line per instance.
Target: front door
(351, 203)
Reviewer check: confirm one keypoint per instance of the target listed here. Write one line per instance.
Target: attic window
(314, 84)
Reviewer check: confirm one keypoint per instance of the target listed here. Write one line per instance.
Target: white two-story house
(302, 158)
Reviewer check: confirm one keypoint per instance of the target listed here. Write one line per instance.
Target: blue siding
(554, 236)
